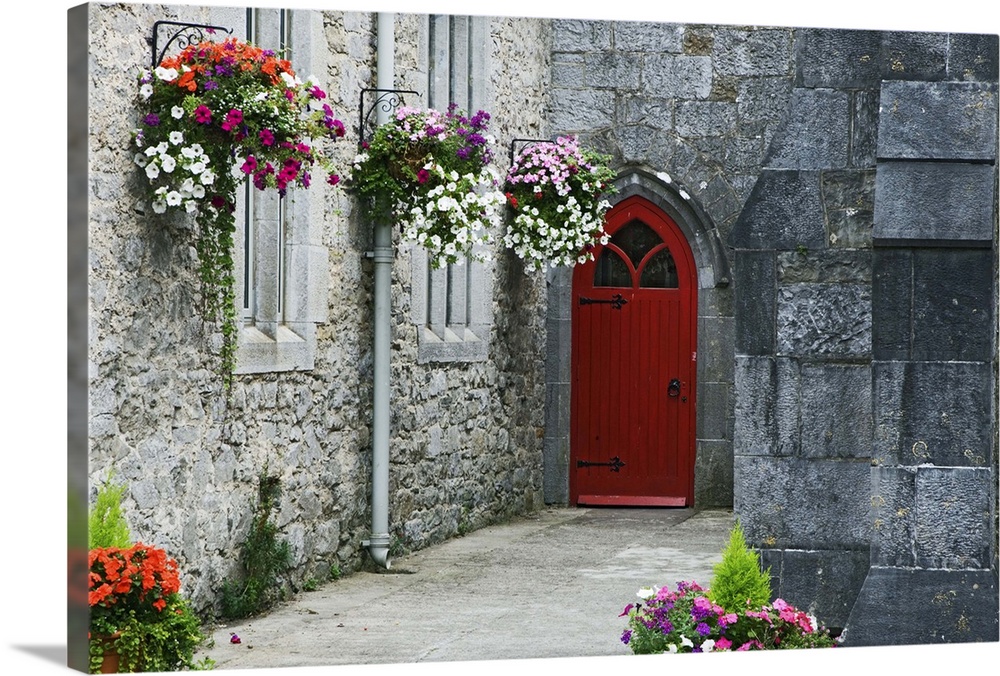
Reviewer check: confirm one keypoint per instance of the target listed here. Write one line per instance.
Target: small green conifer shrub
(738, 581)
(106, 524)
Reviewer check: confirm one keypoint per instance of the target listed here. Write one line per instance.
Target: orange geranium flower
(186, 81)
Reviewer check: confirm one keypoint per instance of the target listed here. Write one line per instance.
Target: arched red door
(634, 363)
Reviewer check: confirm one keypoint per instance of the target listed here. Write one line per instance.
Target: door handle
(674, 389)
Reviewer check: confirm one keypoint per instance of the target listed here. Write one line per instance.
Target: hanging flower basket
(431, 173)
(212, 116)
(555, 208)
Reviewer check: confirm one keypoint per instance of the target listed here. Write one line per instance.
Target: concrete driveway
(551, 584)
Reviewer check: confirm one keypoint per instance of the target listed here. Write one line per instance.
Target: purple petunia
(152, 120)
(703, 629)
(626, 636)
(211, 84)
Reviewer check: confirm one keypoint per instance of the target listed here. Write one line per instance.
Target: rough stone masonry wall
(465, 438)
(692, 108)
(865, 343)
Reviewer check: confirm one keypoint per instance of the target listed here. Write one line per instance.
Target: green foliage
(738, 581)
(106, 524)
(335, 572)
(168, 644)
(262, 558)
(310, 585)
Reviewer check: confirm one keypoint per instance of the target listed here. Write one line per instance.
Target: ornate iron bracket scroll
(525, 142)
(187, 34)
(388, 99)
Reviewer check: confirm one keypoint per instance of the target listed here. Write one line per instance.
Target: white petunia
(146, 90)
(208, 177)
(159, 206)
(191, 206)
(177, 112)
(196, 168)
(152, 170)
(177, 137)
(708, 645)
(166, 74)
(198, 191)
(167, 163)
(141, 159)
(685, 641)
(174, 198)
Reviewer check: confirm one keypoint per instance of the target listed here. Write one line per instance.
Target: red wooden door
(633, 364)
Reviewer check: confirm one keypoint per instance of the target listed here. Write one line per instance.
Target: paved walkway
(548, 585)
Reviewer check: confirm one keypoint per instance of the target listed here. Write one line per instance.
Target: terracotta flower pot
(112, 660)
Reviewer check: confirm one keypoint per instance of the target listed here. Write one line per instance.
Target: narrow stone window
(281, 276)
(451, 306)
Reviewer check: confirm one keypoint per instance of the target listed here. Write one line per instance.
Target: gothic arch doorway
(633, 364)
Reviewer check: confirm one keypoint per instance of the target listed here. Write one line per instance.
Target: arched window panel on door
(659, 270)
(636, 239)
(612, 270)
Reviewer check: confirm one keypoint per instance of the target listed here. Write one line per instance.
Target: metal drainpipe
(378, 542)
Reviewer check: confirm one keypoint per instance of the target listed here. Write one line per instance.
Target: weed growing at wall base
(262, 558)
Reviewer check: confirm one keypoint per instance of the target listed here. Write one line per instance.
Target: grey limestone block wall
(687, 113)
(466, 439)
(865, 334)
(934, 474)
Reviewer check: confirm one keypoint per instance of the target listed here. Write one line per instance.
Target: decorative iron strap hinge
(616, 464)
(616, 301)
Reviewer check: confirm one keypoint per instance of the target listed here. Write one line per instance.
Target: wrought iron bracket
(184, 34)
(616, 464)
(388, 99)
(616, 301)
(525, 142)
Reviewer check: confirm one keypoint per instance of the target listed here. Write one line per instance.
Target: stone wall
(864, 272)
(466, 438)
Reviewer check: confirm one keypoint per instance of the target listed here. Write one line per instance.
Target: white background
(33, 161)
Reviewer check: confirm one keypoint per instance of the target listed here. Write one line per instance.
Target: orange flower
(159, 604)
(186, 81)
(99, 594)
